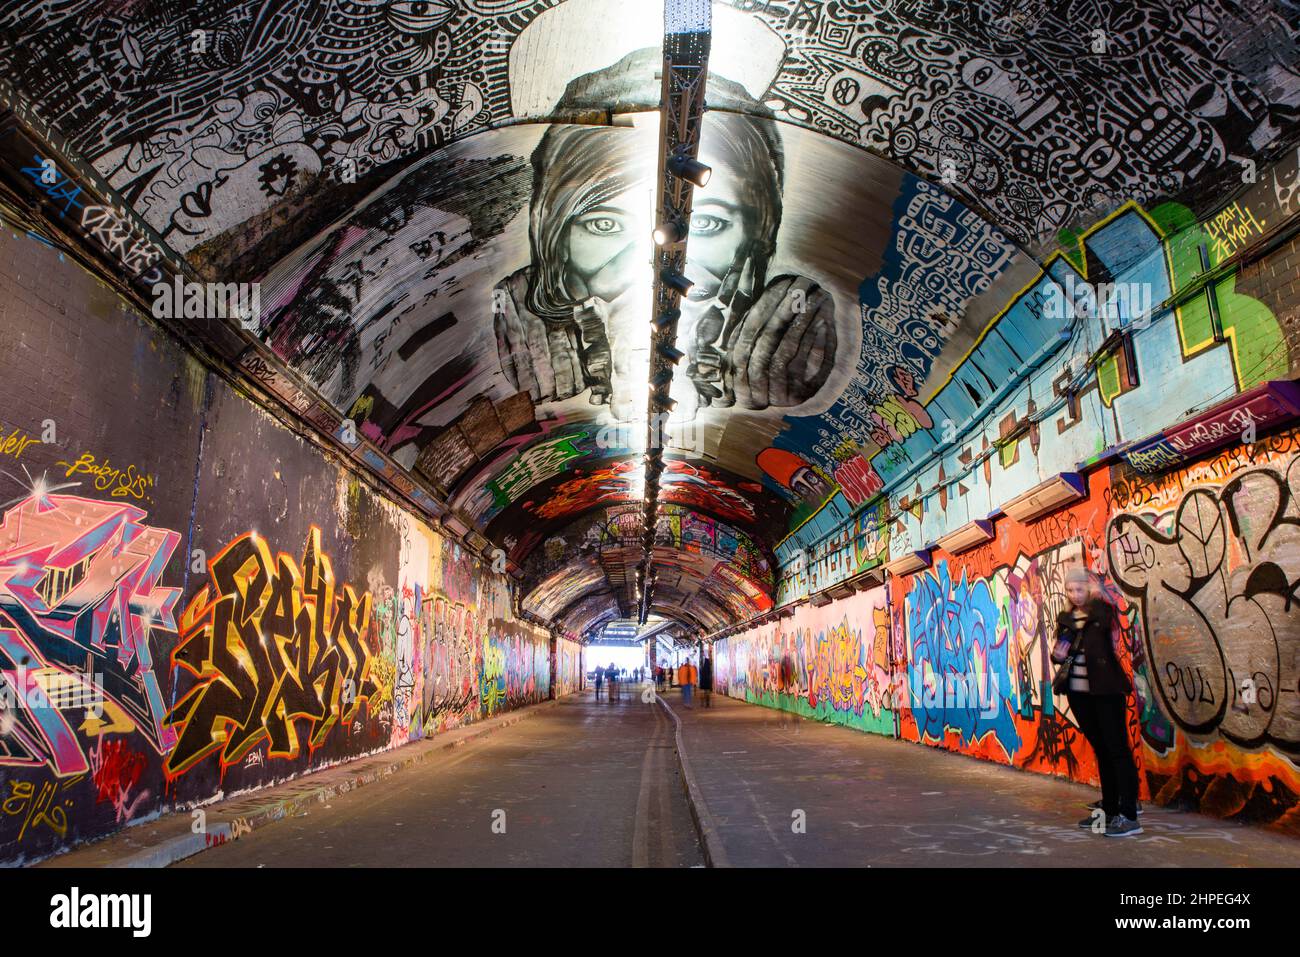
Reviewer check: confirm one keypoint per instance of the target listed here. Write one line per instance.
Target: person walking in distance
(686, 676)
(1097, 688)
(600, 680)
(613, 682)
(706, 682)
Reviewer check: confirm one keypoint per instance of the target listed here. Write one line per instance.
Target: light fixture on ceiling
(868, 579)
(909, 562)
(675, 280)
(669, 232)
(665, 319)
(840, 590)
(663, 399)
(687, 167)
(670, 353)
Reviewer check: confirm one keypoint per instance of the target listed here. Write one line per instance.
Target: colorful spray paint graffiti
(272, 644)
(516, 667)
(972, 636)
(456, 652)
(80, 598)
(279, 660)
(1210, 557)
(830, 663)
(82, 711)
(568, 667)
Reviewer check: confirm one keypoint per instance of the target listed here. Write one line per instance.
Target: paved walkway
(583, 783)
(876, 802)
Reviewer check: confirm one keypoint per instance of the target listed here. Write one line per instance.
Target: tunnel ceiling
(474, 290)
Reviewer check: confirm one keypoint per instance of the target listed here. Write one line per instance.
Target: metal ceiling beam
(688, 29)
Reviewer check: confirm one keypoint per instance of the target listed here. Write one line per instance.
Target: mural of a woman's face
(720, 225)
(751, 340)
(607, 243)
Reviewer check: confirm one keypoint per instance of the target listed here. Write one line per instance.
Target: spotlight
(689, 168)
(666, 319)
(669, 232)
(666, 403)
(671, 353)
(676, 280)
(661, 378)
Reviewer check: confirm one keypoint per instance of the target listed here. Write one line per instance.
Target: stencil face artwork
(751, 342)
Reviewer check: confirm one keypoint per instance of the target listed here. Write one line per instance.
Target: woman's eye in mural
(602, 243)
(602, 225)
(707, 224)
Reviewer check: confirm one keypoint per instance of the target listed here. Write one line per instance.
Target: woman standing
(1098, 689)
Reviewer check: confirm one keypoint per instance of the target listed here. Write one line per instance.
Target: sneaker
(1096, 806)
(1087, 823)
(1120, 826)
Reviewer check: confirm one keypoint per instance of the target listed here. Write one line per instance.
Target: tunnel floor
(873, 801)
(585, 783)
(594, 783)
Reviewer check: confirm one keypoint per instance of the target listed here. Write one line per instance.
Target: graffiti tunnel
(375, 374)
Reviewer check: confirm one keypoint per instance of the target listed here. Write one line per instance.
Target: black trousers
(1101, 718)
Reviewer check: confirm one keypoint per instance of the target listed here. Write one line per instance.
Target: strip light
(687, 36)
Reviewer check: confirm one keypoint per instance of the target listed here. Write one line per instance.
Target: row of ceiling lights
(664, 356)
(681, 171)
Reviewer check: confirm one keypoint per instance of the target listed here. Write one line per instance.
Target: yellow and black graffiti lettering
(271, 644)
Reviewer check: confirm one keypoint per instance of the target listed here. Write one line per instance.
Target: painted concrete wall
(1202, 563)
(1200, 557)
(1027, 400)
(829, 663)
(569, 670)
(194, 601)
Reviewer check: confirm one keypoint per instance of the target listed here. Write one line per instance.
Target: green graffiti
(1251, 330)
(533, 466)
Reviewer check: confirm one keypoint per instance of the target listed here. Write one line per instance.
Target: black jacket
(706, 674)
(1105, 674)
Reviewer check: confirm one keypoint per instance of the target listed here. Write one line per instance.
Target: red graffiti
(116, 770)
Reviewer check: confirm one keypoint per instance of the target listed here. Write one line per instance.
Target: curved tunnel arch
(937, 168)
